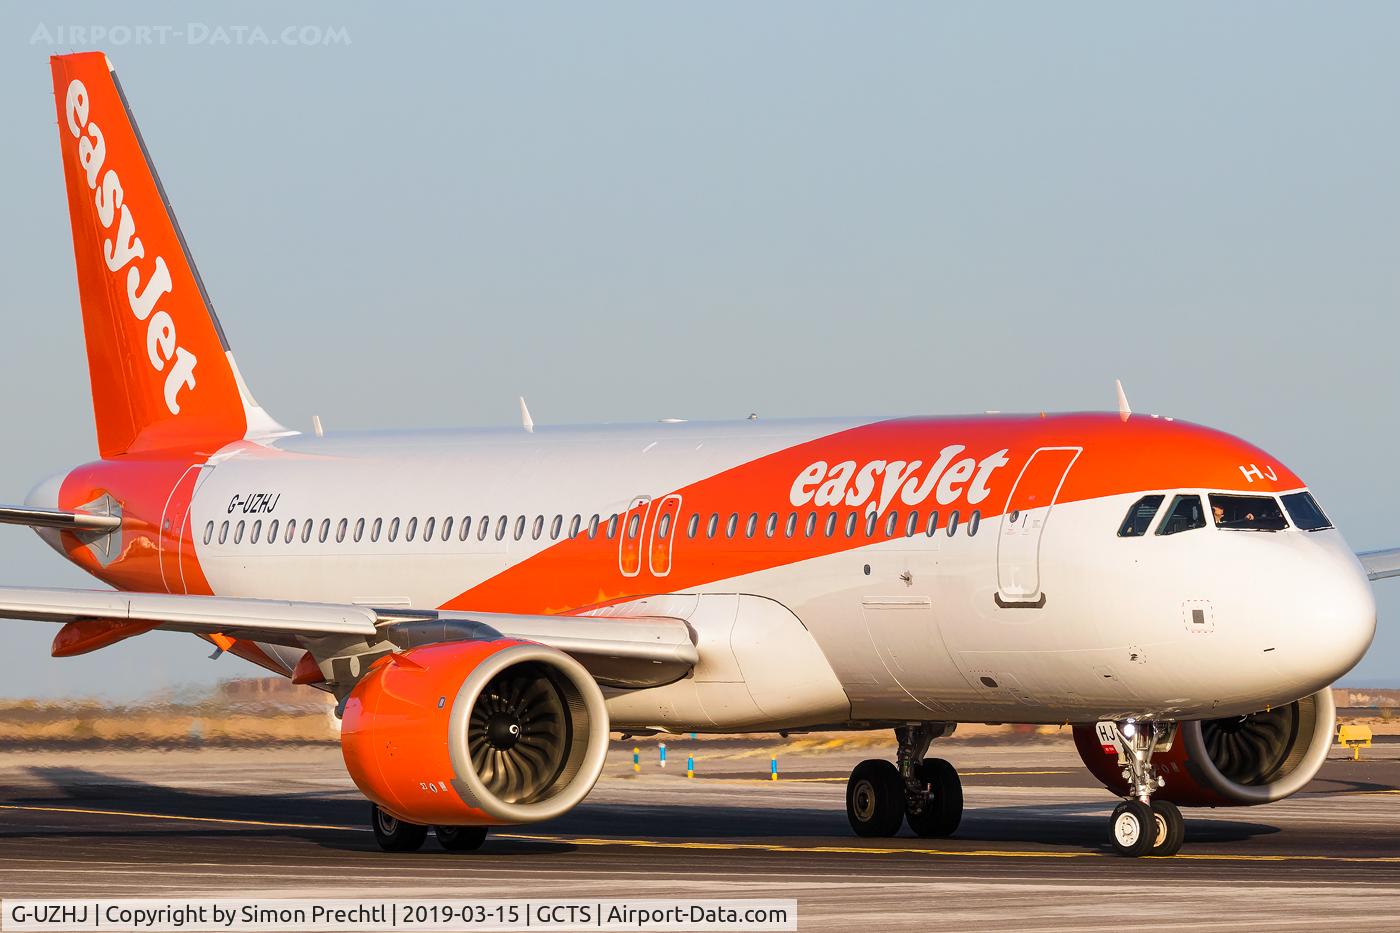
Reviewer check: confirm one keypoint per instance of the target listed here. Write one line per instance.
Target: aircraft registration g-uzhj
(487, 605)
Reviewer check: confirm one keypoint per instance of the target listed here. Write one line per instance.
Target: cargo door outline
(1023, 524)
(661, 542)
(629, 546)
(174, 520)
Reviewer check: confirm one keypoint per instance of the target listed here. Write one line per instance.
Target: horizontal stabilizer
(58, 518)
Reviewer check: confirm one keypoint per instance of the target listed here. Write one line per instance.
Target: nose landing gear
(924, 791)
(1139, 825)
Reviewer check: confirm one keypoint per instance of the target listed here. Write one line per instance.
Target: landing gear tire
(393, 834)
(943, 802)
(875, 798)
(1170, 828)
(460, 838)
(1132, 828)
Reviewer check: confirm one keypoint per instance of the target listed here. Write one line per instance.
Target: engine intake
(1237, 761)
(475, 733)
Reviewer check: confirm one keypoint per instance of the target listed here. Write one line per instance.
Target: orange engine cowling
(475, 733)
(1238, 761)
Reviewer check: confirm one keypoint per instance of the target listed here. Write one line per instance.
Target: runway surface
(1031, 853)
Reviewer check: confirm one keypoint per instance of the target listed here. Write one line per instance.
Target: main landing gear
(1140, 825)
(925, 791)
(394, 835)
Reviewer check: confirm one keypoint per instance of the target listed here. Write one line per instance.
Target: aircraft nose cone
(1332, 619)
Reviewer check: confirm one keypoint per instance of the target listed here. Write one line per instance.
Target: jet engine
(1236, 761)
(475, 733)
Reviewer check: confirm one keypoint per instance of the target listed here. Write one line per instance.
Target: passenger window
(375, 529)
(953, 523)
(393, 529)
(359, 529)
(483, 527)
(891, 524)
(223, 532)
(633, 524)
(1247, 513)
(770, 527)
(464, 531)
(811, 527)
(712, 525)
(308, 528)
(593, 527)
(428, 528)
(411, 531)
(663, 526)
(932, 524)
(519, 527)
(790, 528)
(612, 526)
(447, 528)
(870, 521)
(751, 525)
(538, 528)
(1140, 516)
(291, 531)
(831, 519)
(257, 532)
(575, 524)
(272, 532)
(1184, 514)
(731, 526)
(974, 521)
(693, 526)
(208, 532)
(501, 524)
(911, 527)
(325, 530)
(852, 521)
(555, 527)
(340, 530)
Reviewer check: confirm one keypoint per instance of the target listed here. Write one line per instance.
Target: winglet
(1124, 410)
(526, 421)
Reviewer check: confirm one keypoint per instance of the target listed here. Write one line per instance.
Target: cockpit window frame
(1177, 499)
(1127, 526)
(1260, 497)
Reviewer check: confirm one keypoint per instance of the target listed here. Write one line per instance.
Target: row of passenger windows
(794, 525)
(1238, 513)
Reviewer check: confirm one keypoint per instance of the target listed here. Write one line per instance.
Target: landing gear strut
(1139, 825)
(925, 791)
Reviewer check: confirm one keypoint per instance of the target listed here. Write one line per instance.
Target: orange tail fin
(162, 374)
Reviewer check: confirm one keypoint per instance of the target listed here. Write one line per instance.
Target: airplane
(487, 606)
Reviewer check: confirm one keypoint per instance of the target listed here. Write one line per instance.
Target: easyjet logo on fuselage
(125, 248)
(948, 479)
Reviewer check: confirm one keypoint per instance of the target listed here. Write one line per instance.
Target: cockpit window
(1247, 513)
(1305, 512)
(1184, 514)
(1140, 517)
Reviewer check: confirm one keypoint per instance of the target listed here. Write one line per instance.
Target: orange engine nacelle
(475, 733)
(1239, 761)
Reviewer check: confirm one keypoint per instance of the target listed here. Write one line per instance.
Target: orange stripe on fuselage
(1118, 457)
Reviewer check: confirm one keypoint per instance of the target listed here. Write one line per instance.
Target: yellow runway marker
(730, 846)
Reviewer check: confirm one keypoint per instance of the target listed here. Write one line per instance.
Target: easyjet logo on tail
(124, 248)
(948, 478)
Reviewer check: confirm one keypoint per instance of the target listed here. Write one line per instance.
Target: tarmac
(1031, 853)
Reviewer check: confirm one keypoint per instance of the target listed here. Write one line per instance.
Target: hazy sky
(628, 211)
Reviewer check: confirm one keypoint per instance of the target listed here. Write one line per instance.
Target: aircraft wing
(628, 652)
(1381, 564)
